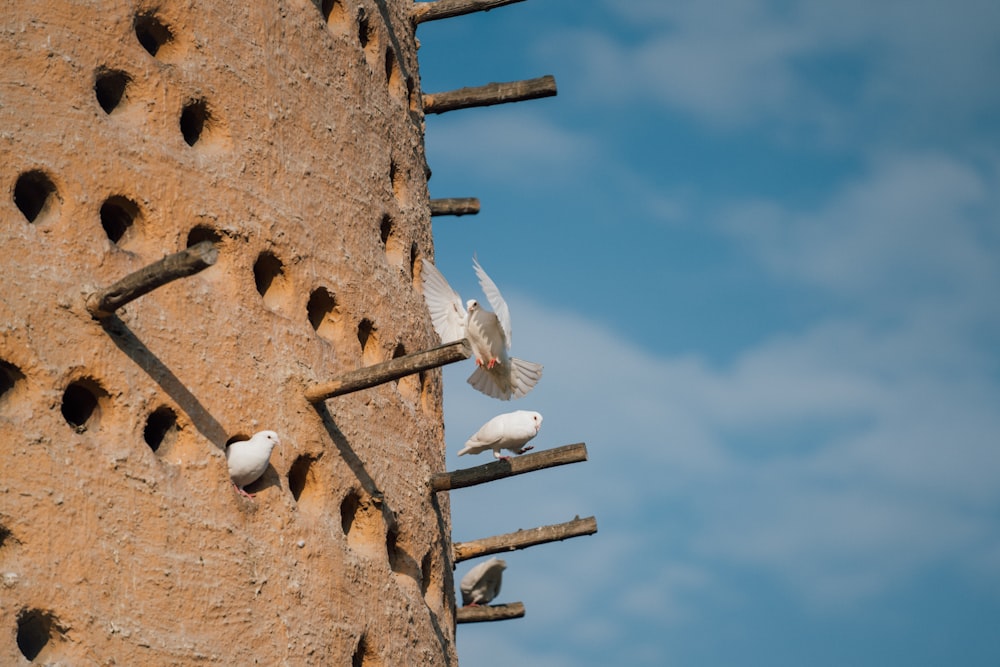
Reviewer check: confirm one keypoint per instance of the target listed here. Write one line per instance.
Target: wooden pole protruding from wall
(187, 262)
(445, 9)
(489, 472)
(370, 376)
(482, 614)
(491, 93)
(455, 206)
(523, 539)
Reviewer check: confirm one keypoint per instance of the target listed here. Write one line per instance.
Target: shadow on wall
(137, 351)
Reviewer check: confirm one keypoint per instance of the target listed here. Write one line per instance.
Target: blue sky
(756, 245)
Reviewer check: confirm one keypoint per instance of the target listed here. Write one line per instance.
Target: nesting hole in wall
(324, 314)
(152, 33)
(364, 28)
(203, 233)
(414, 100)
(333, 10)
(237, 437)
(364, 654)
(81, 404)
(395, 249)
(269, 277)
(10, 375)
(109, 87)
(195, 121)
(392, 550)
(362, 521)
(4, 534)
(396, 181)
(368, 337)
(35, 628)
(385, 229)
(413, 260)
(391, 68)
(161, 429)
(408, 385)
(35, 195)
(118, 215)
(303, 481)
(426, 572)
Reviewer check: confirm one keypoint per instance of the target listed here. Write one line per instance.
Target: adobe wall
(286, 132)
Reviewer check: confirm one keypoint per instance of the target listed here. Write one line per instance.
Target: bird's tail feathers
(505, 383)
(491, 384)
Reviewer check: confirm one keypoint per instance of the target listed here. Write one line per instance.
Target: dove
(510, 431)
(482, 583)
(497, 375)
(248, 459)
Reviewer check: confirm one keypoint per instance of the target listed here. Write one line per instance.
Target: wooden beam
(200, 256)
(445, 9)
(491, 93)
(497, 612)
(488, 472)
(455, 206)
(370, 376)
(523, 539)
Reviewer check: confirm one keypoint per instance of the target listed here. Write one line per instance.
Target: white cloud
(825, 66)
(913, 225)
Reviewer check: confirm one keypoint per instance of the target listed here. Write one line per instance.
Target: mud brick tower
(289, 135)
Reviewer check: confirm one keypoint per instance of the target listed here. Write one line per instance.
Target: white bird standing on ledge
(482, 583)
(510, 431)
(248, 459)
(497, 375)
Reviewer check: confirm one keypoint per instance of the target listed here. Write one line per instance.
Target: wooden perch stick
(488, 472)
(444, 9)
(187, 262)
(523, 539)
(465, 206)
(497, 612)
(491, 93)
(394, 369)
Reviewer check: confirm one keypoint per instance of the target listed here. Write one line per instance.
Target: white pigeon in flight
(510, 431)
(482, 583)
(497, 375)
(248, 459)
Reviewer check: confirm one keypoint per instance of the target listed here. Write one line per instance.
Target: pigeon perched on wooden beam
(509, 431)
(482, 583)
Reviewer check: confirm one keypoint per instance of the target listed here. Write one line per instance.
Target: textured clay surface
(288, 133)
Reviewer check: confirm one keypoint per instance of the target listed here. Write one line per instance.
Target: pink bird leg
(242, 492)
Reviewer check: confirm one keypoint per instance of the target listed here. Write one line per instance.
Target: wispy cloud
(913, 223)
(833, 67)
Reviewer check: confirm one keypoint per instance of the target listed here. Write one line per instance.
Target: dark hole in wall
(33, 193)
(117, 216)
(161, 428)
(34, 630)
(194, 118)
(109, 87)
(151, 32)
(298, 475)
(80, 406)
(202, 233)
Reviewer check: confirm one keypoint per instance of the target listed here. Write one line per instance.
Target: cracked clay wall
(286, 132)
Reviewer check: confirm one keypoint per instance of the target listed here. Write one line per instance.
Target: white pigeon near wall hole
(248, 459)
(497, 375)
(509, 431)
(482, 583)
